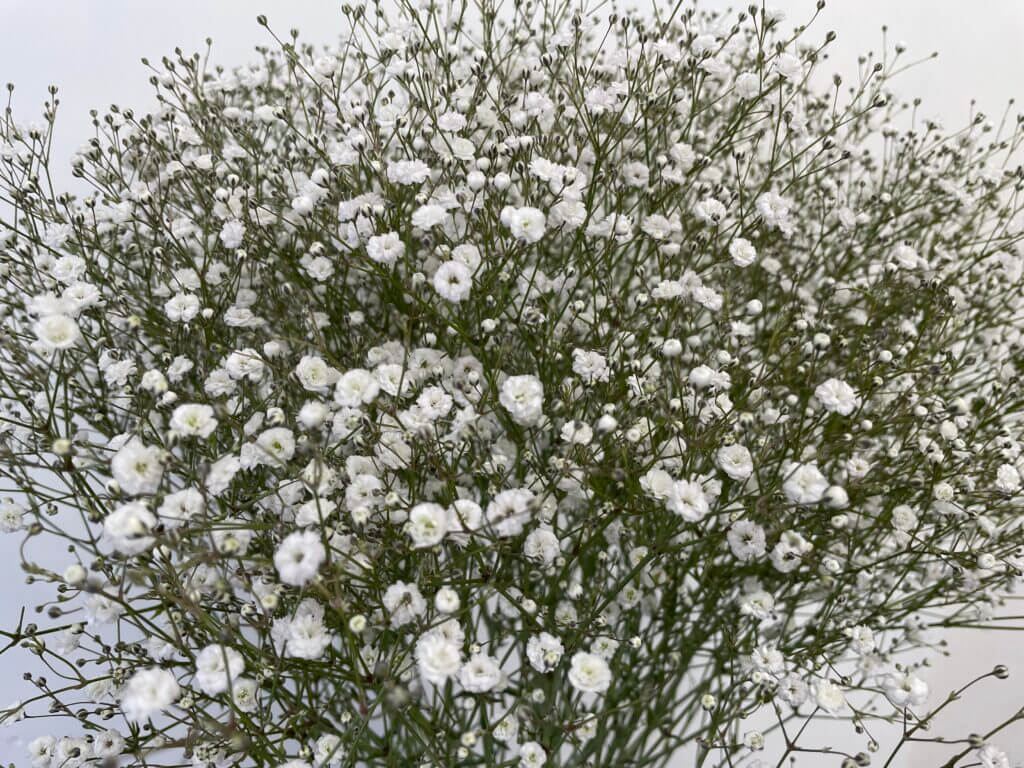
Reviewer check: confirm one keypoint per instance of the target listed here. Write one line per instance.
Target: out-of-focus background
(91, 49)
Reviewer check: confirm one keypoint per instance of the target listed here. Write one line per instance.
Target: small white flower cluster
(550, 393)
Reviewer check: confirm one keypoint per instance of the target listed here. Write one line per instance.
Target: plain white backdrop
(91, 49)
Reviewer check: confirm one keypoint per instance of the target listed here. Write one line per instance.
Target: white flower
(742, 253)
(793, 690)
(523, 398)
(245, 694)
(193, 420)
(447, 600)
(837, 396)
(464, 516)
(385, 249)
(532, 755)
(393, 379)
(127, 528)
(944, 491)
(746, 540)
(804, 483)
(788, 66)
(315, 375)
(682, 155)
(148, 692)
(216, 667)
(363, 491)
(525, 223)
(100, 609)
(862, 638)
(775, 210)
(437, 658)
(857, 467)
(137, 467)
(704, 376)
(747, 85)
(657, 483)
(408, 172)
(735, 461)
(181, 506)
(789, 552)
(221, 473)
(569, 214)
(308, 637)
(830, 697)
(589, 673)
(329, 751)
(404, 603)
(451, 122)
(355, 388)
(468, 254)
(544, 651)
(903, 518)
(688, 500)
(453, 281)
(768, 658)
(41, 751)
(434, 403)
(600, 100)
(658, 227)
(11, 517)
(428, 216)
(506, 729)
(709, 210)
(577, 432)
(71, 752)
(314, 511)
(232, 234)
(245, 364)
(541, 545)
(836, 497)
(298, 557)
(427, 525)
(906, 256)
(1008, 479)
(509, 511)
(57, 332)
(182, 307)
(991, 756)
(905, 690)
(590, 366)
(153, 381)
(179, 367)
(80, 296)
(12, 713)
(480, 674)
(278, 443)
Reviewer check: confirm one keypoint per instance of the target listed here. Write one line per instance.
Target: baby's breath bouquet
(511, 386)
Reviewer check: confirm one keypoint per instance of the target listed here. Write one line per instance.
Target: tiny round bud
(447, 600)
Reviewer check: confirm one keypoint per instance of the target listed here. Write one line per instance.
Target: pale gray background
(91, 49)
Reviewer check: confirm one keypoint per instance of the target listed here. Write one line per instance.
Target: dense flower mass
(509, 387)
